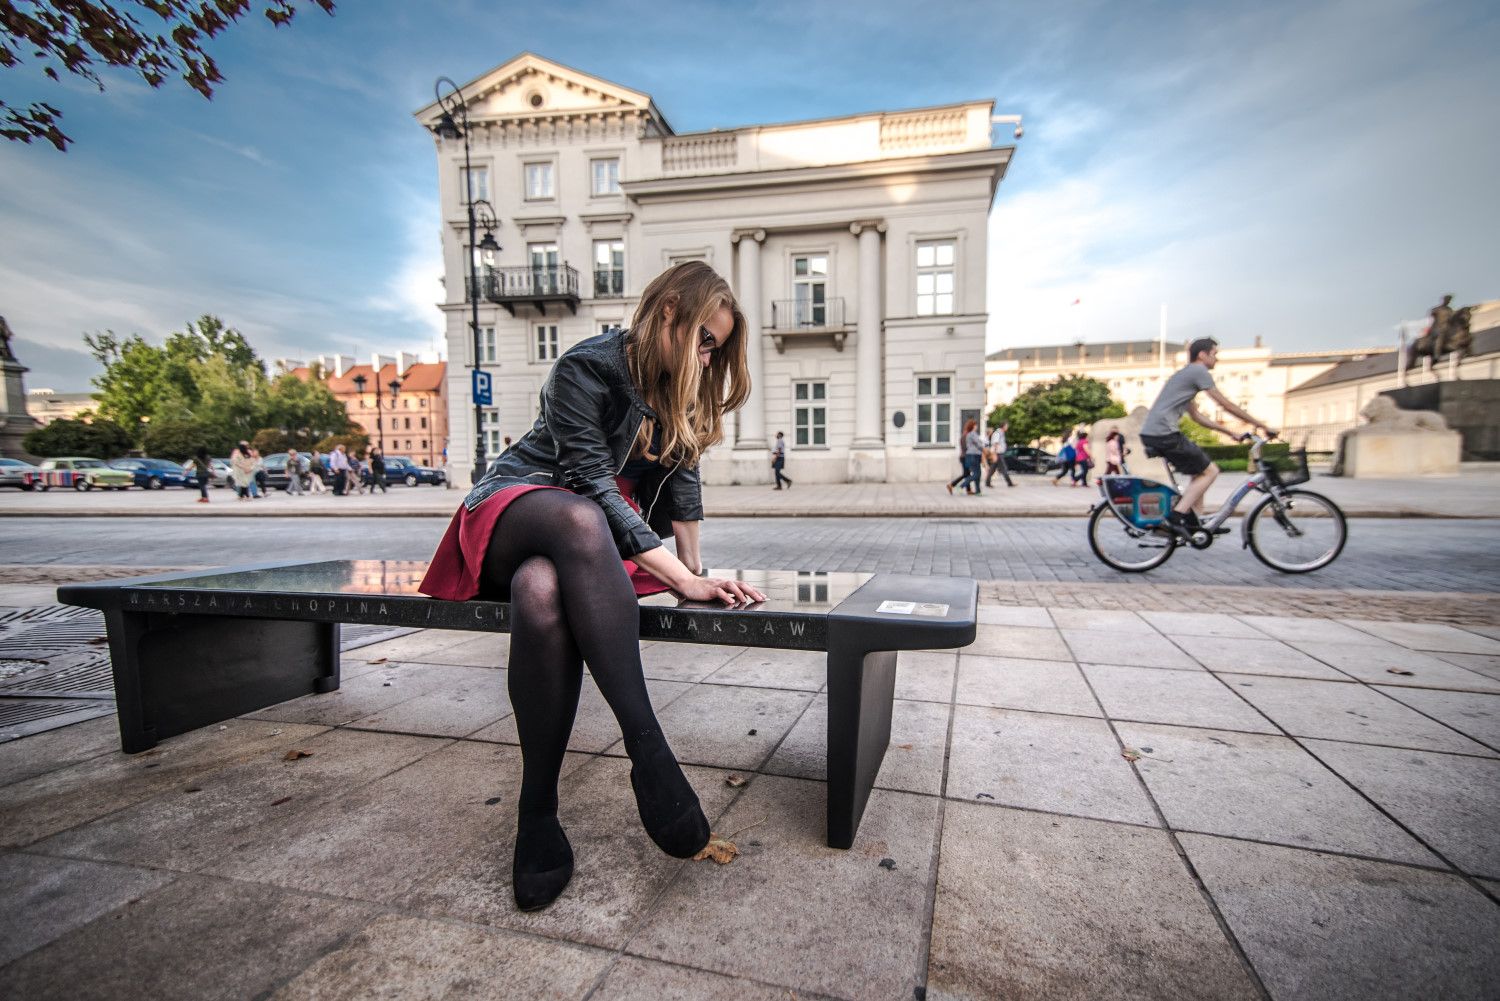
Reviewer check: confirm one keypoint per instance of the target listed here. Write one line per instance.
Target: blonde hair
(690, 401)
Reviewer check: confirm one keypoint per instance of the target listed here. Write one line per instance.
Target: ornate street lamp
(449, 129)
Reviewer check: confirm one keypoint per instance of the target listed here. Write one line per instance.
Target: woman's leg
(544, 681)
(602, 616)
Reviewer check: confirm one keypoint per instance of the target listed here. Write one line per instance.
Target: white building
(855, 245)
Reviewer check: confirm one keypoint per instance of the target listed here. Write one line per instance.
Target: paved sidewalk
(1472, 494)
(1084, 804)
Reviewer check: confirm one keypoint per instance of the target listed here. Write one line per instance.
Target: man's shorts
(1184, 456)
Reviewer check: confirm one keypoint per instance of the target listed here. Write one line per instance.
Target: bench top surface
(386, 591)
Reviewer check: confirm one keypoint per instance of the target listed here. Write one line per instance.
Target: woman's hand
(731, 592)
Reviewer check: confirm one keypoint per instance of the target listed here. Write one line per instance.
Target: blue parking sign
(483, 393)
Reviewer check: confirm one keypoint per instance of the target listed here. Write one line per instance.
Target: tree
(354, 440)
(307, 410)
(1197, 433)
(179, 440)
(99, 439)
(80, 36)
(1053, 409)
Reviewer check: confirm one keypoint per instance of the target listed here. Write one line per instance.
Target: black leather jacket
(586, 424)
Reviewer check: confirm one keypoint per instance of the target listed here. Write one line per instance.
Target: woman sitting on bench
(623, 415)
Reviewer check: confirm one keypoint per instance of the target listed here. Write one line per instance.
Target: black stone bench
(193, 649)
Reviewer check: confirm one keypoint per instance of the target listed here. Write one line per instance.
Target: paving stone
(1480, 663)
(913, 762)
(1476, 716)
(1048, 686)
(1428, 636)
(1452, 802)
(45, 752)
(1134, 649)
(57, 800)
(419, 647)
(191, 826)
(1319, 927)
(1290, 630)
(1201, 624)
(1493, 632)
(618, 874)
(1019, 641)
(1261, 787)
(783, 911)
(416, 958)
(636, 979)
(685, 661)
(195, 939)
(1379, 664)
(485, 650)
(472, 698)
(1101, 620)
(1061, 764)
(356, 697)
(46, 898)
(595, 728)
(1270, 657)
(1033, 617)
(801, 670)
(1184, 698)
(1036, 906)
(1339, 710)
(711, 724)
(926, 675)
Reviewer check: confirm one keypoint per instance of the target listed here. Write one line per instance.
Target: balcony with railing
(555, 285)
(795, 319)
(609, 283)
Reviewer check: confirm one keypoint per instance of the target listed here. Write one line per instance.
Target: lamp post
(395, 384)
(447, 128)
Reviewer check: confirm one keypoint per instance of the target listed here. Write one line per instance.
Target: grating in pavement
(47, 639)
(89, 677)
(23, 717)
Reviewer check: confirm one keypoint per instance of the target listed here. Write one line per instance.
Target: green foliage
(269, 441)
(179, 440)
(355, 442)
(1229, 452)
(1197, 433)
(83, 36)
(308, 410)
(1056, 408)
(100, 439)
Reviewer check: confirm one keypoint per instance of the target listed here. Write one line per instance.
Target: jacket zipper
(663, 483)
(633, 437)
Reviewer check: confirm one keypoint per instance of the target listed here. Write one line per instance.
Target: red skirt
(453, 573)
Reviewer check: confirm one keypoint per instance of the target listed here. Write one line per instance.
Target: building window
(609, 269)
(539, 181)
(487, 345)
(606, 176)
(935, 278)
(544, 268)
(476, 183)
(424, 426)
(810, 414)
(609, 326)
(810, 290)
(407, 426)
(934, 410)
(546, 342)
(424, 444)
(493, 443)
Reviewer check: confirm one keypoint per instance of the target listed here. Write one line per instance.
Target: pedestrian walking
(259, 482)
(377, 471)
(778, 461)
(293, 473)
(203, 468)
(973, 446)
(1065, 459)
(997, 456)
(963, 467)
(1114, 453)
(1082, 461)
(338, 467)
(315, 473)
(242, 470)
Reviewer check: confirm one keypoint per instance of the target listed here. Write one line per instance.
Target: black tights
(571, 603)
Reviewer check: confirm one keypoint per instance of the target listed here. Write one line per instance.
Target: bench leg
(175, 673)
(861, 692)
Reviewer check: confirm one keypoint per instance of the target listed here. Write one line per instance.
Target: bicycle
(1290, 530)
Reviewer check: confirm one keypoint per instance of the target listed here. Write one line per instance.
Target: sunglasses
(706, 340)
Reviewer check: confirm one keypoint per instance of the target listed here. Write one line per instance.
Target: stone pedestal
(1394, 454)
(15, 422)
(1470, 406)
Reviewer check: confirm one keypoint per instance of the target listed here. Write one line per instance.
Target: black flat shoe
(668, 807)
(537, 845)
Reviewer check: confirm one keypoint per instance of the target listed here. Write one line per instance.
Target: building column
(867, 455)
(752, 416)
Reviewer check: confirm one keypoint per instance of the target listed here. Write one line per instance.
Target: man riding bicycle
(1162, 436)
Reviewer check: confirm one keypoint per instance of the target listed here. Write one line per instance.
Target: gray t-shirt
(1176, 396)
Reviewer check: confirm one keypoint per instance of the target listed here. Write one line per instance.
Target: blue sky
(1311, 173)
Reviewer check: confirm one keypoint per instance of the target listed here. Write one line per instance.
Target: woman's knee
(536, 594)
(581, 526)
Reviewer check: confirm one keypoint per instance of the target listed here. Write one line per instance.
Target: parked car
(13, 474)
(275, 471)
(218, 472)
(401, 469)
(155, 474)
(1025, 459)
(81, 473)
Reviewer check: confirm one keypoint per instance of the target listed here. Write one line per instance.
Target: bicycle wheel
(1297, 533)
(1125, 547)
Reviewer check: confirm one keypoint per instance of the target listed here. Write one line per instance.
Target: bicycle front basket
(1286, 470)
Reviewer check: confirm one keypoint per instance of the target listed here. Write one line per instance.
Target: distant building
(412, 422)
(855, 245)
(1256, 378)
(46, 406)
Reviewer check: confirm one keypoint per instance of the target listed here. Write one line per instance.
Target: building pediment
(531, 88)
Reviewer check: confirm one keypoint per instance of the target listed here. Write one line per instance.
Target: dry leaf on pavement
(736, 782)
(1397, 670)
(718, 849)
(295, 755)
(1130, 754)
(378, 660)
